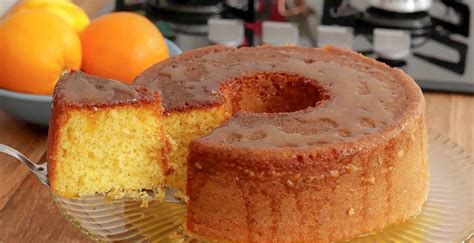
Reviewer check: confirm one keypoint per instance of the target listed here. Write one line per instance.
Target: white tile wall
(5, 5)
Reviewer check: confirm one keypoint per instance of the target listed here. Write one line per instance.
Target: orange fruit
(121, 45)
(65, 9)
(35, 48)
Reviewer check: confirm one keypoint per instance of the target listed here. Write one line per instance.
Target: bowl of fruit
(117, 46)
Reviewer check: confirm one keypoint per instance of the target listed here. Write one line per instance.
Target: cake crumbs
(178, 235)
(275, 174)
(334, 173)
(199, 166)
(181, 196)
(249, 173)
(351, 211)
(371, 180)
(352, 168)
(400, 153)
(145, 203)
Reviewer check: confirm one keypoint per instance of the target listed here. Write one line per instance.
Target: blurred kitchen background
(432, 40)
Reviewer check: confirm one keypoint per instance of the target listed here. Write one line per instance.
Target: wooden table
(28, 214)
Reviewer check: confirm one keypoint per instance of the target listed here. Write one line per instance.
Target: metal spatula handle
(39, 170)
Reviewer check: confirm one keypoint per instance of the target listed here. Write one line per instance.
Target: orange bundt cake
(291, 144)
(105, 137)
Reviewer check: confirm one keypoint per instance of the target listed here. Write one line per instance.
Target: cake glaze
(362, 99)
(80, 89)
(347, 157)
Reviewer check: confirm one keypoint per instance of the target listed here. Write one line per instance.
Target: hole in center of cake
(272, 92)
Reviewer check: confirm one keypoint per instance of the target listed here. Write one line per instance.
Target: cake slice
(105, 137)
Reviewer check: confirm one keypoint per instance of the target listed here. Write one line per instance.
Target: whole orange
(65, 9)
(121, 45)
(35, 48)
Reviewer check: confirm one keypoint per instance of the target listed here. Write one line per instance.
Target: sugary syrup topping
(357, 96)
(80, 89)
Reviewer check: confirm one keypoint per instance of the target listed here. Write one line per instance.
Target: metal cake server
(39, 170)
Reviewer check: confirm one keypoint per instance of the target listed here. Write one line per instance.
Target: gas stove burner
(393, 63)
(418, 23)
(197, 2)
(194, 12)
(440, 49)
(402, 6)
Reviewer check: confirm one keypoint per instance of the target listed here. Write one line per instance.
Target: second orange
(121, 45)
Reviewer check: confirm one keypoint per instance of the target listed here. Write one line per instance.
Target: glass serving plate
(447, 215)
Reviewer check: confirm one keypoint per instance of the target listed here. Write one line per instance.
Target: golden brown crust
(52, 145)
(307, 196)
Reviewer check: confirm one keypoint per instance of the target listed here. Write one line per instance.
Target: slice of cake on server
(105, 137)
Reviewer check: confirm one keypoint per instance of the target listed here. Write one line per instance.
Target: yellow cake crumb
(120, 156)
(184, 127)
